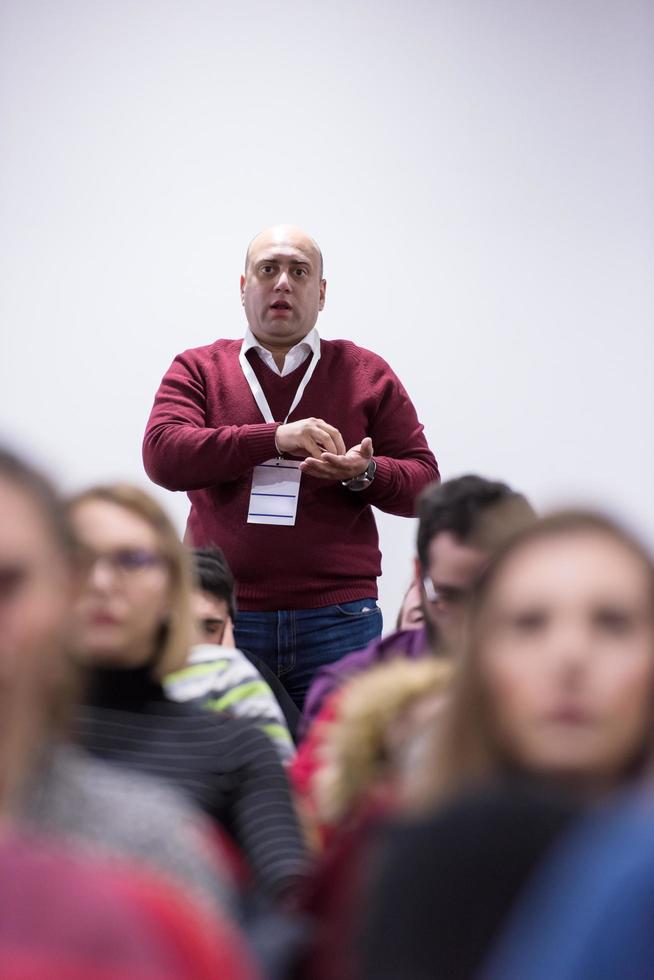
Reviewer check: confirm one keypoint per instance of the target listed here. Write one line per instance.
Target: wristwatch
(364, 480)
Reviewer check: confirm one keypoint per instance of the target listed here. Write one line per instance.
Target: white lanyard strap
(257, 390)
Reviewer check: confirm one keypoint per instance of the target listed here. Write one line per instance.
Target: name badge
(275, 491)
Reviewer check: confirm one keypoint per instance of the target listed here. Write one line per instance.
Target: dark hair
(44, 496)
(215, 576)
(477, 511)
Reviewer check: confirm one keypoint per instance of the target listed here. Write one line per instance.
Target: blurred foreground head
(462, 523)
(557, 676)
(134, 610)
(38, 581)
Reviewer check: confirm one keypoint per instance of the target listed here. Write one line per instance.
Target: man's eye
(299, 273)
(266, 270)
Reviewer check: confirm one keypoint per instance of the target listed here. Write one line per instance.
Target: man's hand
(309, 437)
(334, 466)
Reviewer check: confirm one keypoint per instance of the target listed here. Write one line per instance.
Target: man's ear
(323, 290)
(242, 289)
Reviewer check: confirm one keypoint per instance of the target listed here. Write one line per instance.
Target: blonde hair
(354, 751)
(175, 647)
(467, 751)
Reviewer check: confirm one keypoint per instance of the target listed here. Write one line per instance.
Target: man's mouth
(280, 304)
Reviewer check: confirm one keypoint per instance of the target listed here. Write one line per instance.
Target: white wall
(479, 175)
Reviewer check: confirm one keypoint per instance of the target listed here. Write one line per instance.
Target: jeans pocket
(359, 607)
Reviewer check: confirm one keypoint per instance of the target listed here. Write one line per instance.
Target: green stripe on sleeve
(278, 733)
(197, 670)
(239, 693)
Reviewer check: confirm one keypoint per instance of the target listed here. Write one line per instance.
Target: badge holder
(275, 492)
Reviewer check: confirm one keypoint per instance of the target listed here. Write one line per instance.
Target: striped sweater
(225, 765)
(223, 679)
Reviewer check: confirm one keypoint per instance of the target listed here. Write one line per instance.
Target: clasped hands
(324, 449)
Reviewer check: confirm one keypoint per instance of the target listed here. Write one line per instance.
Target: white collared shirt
(296, 356)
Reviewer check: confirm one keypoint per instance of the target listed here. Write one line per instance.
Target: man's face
(282, 290)
(210, 618)
(453, 568)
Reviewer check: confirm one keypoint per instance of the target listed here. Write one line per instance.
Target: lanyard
(257, 391)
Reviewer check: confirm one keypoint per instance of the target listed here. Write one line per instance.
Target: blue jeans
(295, 643)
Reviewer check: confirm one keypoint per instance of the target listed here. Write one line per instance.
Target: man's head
(462, 522)
(213, 599)
(282, 288)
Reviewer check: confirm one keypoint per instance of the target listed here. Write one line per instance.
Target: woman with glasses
(132, 627)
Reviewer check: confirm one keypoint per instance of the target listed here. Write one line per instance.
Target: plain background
(477, 172)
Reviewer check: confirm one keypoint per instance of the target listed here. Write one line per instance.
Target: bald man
(284, 442)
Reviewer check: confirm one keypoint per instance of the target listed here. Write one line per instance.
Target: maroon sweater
(205, 434)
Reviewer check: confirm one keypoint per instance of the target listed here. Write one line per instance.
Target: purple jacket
(404, 643)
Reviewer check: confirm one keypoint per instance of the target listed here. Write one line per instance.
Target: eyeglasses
(125, 562)
(444, 595)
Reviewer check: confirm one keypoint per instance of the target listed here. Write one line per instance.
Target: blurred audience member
(411, 615)
(440, 888)
(216, 674)
(379, 719)
(557, 679)
(66, 917)
(132, 628)
(553, 696)
(46, 784)
(460, 524)
(588, 913)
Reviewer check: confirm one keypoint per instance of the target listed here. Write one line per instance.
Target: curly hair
(355, 748)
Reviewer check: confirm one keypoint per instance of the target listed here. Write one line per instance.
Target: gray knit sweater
(111, 811)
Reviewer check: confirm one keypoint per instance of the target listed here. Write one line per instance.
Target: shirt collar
(312, 341)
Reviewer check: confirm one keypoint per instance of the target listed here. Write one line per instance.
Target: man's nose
(283, 281)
